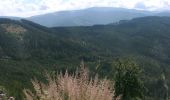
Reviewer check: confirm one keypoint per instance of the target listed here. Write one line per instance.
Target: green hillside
(27, 49)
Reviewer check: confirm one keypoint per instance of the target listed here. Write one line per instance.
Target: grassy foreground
(76, 86)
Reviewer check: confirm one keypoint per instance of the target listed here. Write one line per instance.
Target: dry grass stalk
(71, 87)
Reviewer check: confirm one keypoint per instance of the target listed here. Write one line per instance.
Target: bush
(127, 80)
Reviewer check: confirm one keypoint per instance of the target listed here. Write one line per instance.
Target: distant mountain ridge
(91, 16)
(11, 17)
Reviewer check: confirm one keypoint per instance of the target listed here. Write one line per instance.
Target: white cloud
(24, 8)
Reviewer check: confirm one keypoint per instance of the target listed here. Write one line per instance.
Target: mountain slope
(123, 36)
(26, 49)
(87, 17)
(144, 39)
(24, 39)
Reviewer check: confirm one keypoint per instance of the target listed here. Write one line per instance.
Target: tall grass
(71, 87)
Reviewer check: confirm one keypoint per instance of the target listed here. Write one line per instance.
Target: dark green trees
(127, 80)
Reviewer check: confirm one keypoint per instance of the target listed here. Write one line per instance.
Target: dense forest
(28, 49)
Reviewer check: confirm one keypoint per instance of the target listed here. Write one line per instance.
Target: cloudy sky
(26, 8)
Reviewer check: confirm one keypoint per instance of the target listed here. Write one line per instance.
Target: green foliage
(128, 84)
(145, 39)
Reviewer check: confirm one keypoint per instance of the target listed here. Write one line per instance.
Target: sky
(27, 8)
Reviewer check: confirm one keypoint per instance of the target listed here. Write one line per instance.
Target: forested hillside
(144, 39)
(27, 49)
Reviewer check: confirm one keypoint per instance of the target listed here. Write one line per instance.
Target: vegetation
(72, 87)
(4, 95)
(127, 81)
(25, 54)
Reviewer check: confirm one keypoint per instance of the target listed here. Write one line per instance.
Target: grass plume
(71, 87)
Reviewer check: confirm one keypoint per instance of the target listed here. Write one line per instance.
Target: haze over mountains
(92, 16)
(89, 16)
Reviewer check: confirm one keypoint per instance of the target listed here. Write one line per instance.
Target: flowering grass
(71, 87)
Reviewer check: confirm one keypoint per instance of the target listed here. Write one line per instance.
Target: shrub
(127, 80)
